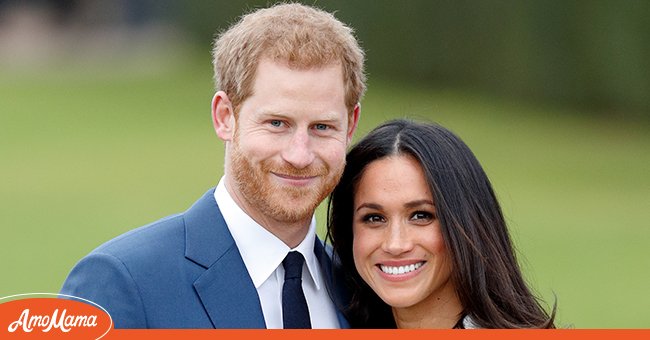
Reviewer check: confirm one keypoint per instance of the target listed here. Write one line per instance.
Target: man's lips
(295, 180)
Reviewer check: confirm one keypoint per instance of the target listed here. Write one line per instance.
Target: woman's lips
(400, 271)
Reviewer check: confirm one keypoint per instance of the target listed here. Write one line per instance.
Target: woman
(421, 237)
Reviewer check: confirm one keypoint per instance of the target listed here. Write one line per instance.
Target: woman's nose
(397, 240)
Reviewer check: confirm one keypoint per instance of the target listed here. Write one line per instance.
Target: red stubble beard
(283, 203)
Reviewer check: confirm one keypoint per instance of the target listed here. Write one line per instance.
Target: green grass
(88, 154)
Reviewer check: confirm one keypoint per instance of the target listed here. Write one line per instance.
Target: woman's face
(398, 248)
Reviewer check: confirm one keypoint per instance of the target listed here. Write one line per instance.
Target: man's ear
(223, 116)
(353, 121)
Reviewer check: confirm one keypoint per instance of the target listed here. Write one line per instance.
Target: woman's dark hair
(485, 271)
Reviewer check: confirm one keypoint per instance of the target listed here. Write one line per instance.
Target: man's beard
(282, 203)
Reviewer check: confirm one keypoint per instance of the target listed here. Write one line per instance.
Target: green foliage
(591, 55)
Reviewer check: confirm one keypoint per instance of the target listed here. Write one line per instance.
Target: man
(289, 81)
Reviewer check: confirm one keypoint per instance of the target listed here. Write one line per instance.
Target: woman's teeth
(401, 269)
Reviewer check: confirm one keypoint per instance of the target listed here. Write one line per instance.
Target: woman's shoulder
(466, 322)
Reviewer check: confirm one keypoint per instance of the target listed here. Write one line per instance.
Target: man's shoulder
(163, 238)
(133, 274)
(146, 239)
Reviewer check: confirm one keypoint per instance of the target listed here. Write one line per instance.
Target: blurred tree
(592, 54)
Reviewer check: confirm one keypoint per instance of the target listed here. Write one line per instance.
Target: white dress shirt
(263, 253)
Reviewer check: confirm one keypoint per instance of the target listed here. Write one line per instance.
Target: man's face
(290, 139)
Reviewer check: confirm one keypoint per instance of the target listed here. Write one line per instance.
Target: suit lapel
(225, 288)
(333, 281)
(228, 294)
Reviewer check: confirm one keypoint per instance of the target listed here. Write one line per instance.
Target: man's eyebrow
(332, 117)
(328, 117)
(272, 113)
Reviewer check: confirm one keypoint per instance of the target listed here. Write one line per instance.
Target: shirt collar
(262, 251)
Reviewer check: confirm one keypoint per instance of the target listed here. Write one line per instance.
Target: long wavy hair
(487, 277)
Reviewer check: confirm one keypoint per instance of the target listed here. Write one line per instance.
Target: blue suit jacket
(184, 271)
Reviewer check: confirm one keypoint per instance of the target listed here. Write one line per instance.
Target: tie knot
(293, 265)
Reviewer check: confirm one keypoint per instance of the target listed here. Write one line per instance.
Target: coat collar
(333, 280)
(225, 288)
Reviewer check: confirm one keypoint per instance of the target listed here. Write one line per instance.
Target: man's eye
(321, 127)
(276, 123)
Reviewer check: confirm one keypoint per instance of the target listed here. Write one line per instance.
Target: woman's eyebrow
(374, 206)
(417, 203)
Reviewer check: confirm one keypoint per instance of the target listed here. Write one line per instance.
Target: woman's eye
(422, 216)
(373, 218)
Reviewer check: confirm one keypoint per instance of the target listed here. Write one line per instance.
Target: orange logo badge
(25, 316)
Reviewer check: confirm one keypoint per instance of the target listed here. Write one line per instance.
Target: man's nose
(298, 152)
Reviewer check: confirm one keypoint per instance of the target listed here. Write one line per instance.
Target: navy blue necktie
(295, 313)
